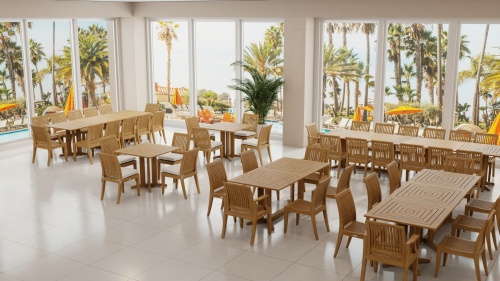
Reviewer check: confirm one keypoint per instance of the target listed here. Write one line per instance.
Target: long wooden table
(425, 201)
(279, 175)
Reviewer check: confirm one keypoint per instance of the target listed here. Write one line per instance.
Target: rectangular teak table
(227, 130)
(150, 152)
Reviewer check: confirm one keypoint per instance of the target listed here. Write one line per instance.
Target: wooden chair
(239, 203)
(360, 126)
(105, 109)
(205, 145)
(74, 115)
(478, 164)
(465, 248)
(318, 154)
(259, 143)
(343, 183)
(412, 158)
(313, 135)
(311, 208)
(348, 225)
(384, 128)
(335, 151)
(143, 127)
(217, 177)
(481, 206)
(383, 153)
(42, 139)
(43, 121)
(152, 107)
(488, 139)
(357, 152)
(90, 112)
(109, 146)
(411, 131)
(461, 165)
(394, 173)
(373, 190)
(436, 157)
(460, 135)
(158, 125)
(92, 141)
(471, 224)
(58, 118)
(250, 133)
(113, 129)
(128, 131)
(184, 170)
(434, 133)
(182, 142)
(191, 123)
(113, 172)
(386, 243)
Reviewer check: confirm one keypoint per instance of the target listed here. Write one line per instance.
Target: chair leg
(286, 220)
(269, 153)
(241, 222)
(89, 155)
(494, 236)
(415, 269)
(363, 269)
(119, 193)
(183, 189)
(338, 169)
(325, 216)
(103, 188)
(260, 157)
(138, 186)
(484, 263)
(210, 201)
(348, 242)
(438, 260)
(476, 267)
(49, 156)
(34, 155)
(297, 218)
(197, 184)
(337, 245)
(315, 230)
(164, 137)
(488, 242)
(269, 218)
(162, 184)
(278, 195)
(405, 273)
(224, 224)
(254, 228)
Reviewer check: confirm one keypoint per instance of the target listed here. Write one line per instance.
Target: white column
(75, 63)
(378, 103)
(28, 79)
(450, 87)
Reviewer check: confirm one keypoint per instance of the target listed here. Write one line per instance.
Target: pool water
(278, 127)
(13, 135)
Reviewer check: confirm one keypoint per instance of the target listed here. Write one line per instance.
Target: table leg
(148, 163)
(231, 143)
(69, 140)
(154, 167)
(142, 171)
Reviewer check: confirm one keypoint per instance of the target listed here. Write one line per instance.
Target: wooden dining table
(227, 130)
(425, 201)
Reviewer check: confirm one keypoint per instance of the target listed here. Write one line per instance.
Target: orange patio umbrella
(177, 98)
(8, 106)
(70, 101)
(404, 110)
(368, 107)
(495, 127)
(357, 115)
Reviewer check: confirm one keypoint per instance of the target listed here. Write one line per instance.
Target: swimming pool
(14, 135)
(278, 127)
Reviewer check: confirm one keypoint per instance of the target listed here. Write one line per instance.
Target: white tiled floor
(54, 227)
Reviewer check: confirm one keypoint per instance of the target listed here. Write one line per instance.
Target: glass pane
(94, 61)
(263, 48)
(413, 75)
(170, 60)
(215, 54)
(349, 62)
(13, 119)
(477, 102)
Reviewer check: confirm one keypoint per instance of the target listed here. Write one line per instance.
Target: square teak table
(227, 130)
(150, 152)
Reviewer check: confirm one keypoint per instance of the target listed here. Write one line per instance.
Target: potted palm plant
(261, 91)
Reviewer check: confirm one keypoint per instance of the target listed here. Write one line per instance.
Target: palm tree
(429, 61)
(330, 29)
(264, 58)
(368, 29)
(492, 80)
(36, 55)
(7, 31)
(274, 37)
(475, 100)
(395, 38)
(414, 34)
(166, 32)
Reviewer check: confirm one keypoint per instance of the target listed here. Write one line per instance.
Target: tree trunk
(475, 100)
(8, 62)
(439, 73)
(430, 87)
(342, 101)
(418, 64)
(39, 84)
(335, 96)
(348, 90)
(54, 90)
(367, 74)
(169, 50)
(91, 91)
(323, 95)
(357, 93)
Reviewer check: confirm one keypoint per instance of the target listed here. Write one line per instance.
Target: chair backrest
(411, 131)
(216, 174)
(373, 190)
(40, 121)
(394, 176)
(191, 122)
(460, 135)
(152, 107)
(264, 135)
(384, 128)
(128, 126)
(460, 165)
(109, 145)
(357, 149)
(182, 141)
(412, 156)
(312, 133)
(345, 179)
(105, 109)
(251, 119)
(385, 242)
(94, 133)
(434, 133)
(360, 126)
(58, 118)
(90, 111)
(201, 138)
(74, 115)
(485, 230)
(238, 199)
(346, 207)
(188, 162)
(113, 128)
(382, 152)
(476, 156)
(40, 136)
(486, 138)
(143, 123)
(110, 166)
(318, 196)
(158, 119)
(248, 161)
(333, 144)
(436, 157)
(318, 154)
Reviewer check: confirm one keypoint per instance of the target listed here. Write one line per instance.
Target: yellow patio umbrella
(404, 110)
(177, 98)
(70, 101)
(368, 107)
(495, 127)
(8, 106)
(357, 115)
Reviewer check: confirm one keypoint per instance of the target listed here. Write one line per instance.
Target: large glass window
(348, 77)
(478, 75)
(415, 76)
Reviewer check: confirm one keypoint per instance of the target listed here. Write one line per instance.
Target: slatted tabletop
(227, 127)
(486, 149)
(425, 142)
(147, 150)
(426, 200)
(96, 120)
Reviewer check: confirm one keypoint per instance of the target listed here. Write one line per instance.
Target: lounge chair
(3, 125)
(344, 123)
